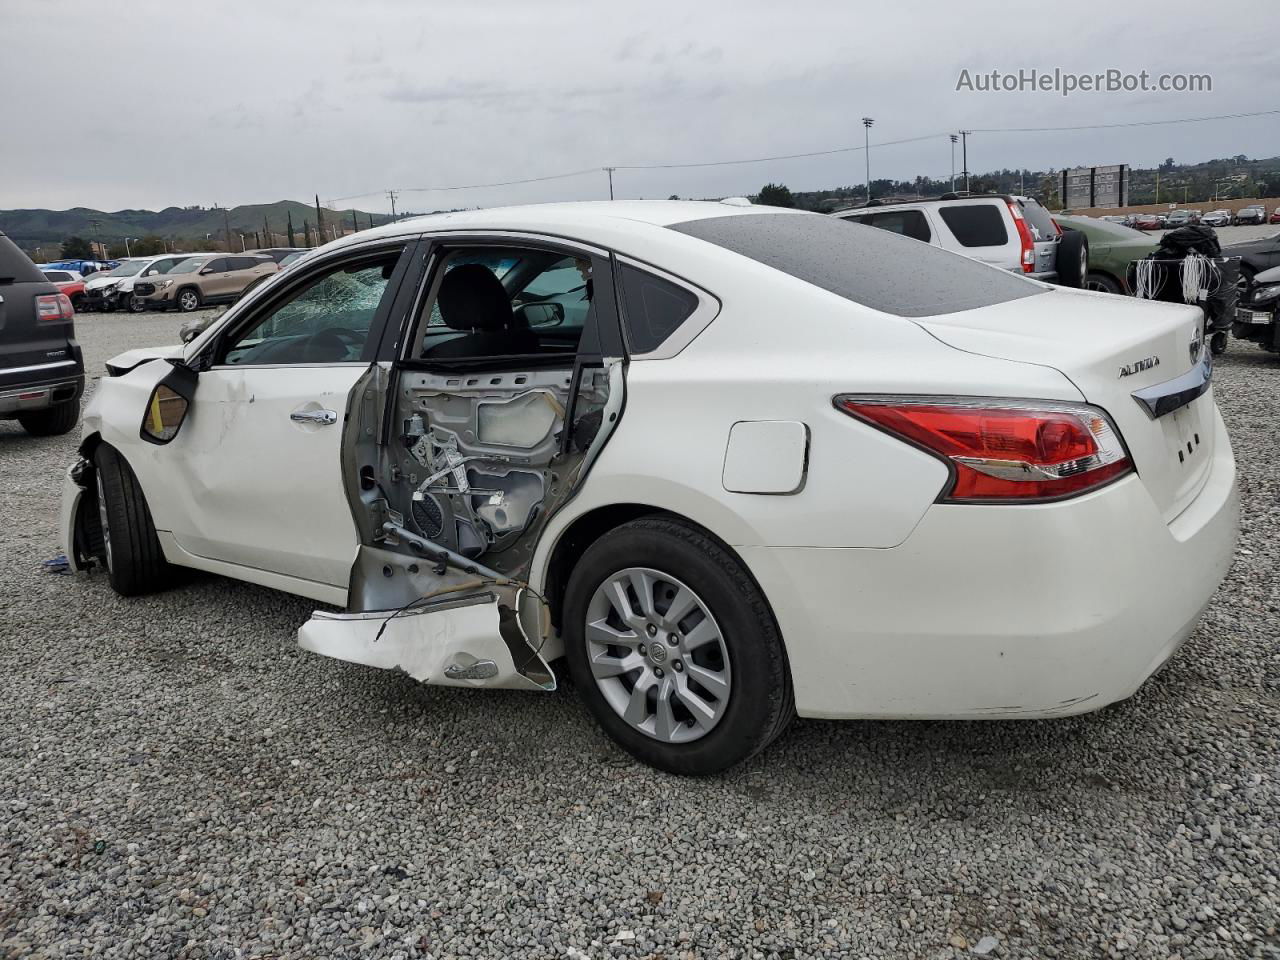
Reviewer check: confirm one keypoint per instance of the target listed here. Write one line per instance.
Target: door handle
(314, 416)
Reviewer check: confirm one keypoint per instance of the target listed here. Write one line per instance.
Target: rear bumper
(41, 385)
(995, 611)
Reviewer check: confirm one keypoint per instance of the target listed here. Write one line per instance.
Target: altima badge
(1146, 363)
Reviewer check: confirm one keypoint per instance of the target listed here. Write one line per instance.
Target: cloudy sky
(151, 104)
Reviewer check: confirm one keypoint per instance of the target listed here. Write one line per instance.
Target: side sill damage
(476, 640)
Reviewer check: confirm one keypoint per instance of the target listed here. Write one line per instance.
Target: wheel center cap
(657, 653)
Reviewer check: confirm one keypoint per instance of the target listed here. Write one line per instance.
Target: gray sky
(155, 104)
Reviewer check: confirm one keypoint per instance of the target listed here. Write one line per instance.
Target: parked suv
(114, 289)
(41, 370)
(1015, 233)
(205, 279)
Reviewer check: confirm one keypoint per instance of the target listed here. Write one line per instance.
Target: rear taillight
(1002, 451)
(54, 308)
(1024, 236)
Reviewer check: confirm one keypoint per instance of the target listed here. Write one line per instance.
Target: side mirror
(206, 270)
(546, 313)
(168, 404)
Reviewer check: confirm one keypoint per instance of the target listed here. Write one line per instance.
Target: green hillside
(184, 227)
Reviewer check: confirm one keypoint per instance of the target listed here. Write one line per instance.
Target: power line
(785, 156)
(1131, 123)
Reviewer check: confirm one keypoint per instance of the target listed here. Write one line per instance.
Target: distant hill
(185, 227)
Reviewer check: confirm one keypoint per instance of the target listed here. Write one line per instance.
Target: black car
(1250, 216)
(1255, 255)
(41, 370)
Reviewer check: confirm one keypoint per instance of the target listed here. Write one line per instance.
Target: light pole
(127, 253)
(964, 156)
(954, 138)
(609, 171)
(242, 243)
(866, 149)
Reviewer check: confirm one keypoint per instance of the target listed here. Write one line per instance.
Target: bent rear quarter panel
(781, 349)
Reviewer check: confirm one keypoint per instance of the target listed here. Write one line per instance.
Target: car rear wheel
(135, 562)
(674, 649)
(188, 300)
(1102, 283)
(52, 421)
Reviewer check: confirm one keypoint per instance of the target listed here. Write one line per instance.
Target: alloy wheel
(657, 655)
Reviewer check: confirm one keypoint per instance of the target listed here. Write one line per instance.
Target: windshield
(129, 268)
(190, 266)
(876, 268)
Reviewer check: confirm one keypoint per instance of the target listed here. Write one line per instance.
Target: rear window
(871, 267)
(975, 224)
(1038, 219)
(16, 266)
(909, 223)
(57, 276)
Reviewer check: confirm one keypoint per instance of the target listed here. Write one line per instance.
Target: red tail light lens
(1024, 235)
(1004, 451)
(54, 308)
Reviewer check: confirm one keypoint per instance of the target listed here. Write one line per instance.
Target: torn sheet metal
(471, 641)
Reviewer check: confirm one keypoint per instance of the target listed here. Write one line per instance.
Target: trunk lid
(1110, 347)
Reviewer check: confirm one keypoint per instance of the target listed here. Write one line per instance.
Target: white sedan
(731, 463)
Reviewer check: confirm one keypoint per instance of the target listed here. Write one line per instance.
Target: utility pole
(1157, 184)
(609, 171)
(266, 233)
(355, 224)
(955, 138)
(964, 156)
(97, 240)
(866, 150)
(392, 195)
(226, 226)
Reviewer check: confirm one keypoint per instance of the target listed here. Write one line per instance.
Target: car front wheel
(188, 300)
(674, 649)
(135, 561)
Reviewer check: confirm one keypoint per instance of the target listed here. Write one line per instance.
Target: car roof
(582, 220)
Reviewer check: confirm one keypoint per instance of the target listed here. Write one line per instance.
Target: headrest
(472, 298)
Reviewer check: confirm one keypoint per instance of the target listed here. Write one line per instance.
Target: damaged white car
(731, 464)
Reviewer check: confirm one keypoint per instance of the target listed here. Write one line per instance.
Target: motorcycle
(1258, 313)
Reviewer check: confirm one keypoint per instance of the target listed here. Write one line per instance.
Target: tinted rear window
(909, 223)
(875, 268)
(16, 266)
(1038, 218)
(976, 224)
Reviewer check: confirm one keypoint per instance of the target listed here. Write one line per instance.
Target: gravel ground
(178, 780)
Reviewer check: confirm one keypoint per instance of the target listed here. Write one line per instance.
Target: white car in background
(731, 463)
(1014, 233)
(113, 289)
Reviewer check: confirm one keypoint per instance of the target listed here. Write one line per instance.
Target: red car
(1148, 221)
(1275, 216)
(70, 283)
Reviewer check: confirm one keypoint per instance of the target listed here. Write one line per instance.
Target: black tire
(761, 701)
(187, 299)
(135, 305)
(53, 421)
(135, 562)
(1103, 283)
(1218, 343)
(77, 303)
(1072, 259)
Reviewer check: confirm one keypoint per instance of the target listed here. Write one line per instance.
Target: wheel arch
(590, 526)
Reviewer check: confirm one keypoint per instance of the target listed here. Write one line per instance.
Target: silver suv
(1014, 233)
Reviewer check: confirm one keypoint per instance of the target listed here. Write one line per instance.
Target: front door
(259, 455)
